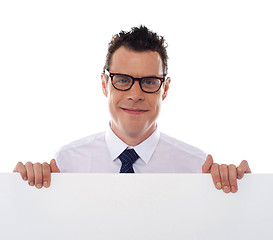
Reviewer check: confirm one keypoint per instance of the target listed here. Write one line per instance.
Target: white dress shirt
(159, 153)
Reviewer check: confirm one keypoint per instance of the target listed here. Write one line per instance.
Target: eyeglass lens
(148, 84)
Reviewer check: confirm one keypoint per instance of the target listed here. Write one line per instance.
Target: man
(134, 81)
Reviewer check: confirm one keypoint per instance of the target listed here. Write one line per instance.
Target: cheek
(113, 100)
(156, 103)
(158, 107)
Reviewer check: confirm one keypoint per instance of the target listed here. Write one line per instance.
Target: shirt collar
(144, 150)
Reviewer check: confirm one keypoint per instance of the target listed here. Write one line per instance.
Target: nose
(135, 93)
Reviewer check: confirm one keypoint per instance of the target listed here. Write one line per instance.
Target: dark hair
(138, 39)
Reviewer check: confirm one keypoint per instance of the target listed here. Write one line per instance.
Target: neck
(133, 138)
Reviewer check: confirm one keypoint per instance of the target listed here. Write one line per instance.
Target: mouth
(134, 111)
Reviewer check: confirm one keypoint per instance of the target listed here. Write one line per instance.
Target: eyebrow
(135, 77)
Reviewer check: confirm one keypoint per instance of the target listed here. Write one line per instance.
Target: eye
(122, 80)
(151, 82)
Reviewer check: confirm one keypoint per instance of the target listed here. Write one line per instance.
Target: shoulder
(81, 147)
(75, 156)
(180, 147)
(90, 140)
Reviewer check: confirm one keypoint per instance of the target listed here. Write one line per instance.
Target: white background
(221, 57)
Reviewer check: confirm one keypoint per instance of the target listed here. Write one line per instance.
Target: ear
(104, 84)
(166, 88)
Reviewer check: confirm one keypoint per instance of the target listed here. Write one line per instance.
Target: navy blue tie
(127, 158)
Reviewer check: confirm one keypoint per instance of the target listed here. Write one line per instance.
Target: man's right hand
(37, 174)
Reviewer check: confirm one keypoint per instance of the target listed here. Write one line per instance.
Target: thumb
(207, 165)
(54, 167)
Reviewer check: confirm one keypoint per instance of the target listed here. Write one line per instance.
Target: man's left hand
(225, 176)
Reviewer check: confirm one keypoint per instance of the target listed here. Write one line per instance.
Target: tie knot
(127, 158)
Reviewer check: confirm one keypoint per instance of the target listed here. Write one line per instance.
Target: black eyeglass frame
(111, 75)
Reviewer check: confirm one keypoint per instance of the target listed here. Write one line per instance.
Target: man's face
(134, 112)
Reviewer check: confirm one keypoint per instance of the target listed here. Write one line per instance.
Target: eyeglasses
(124, 82)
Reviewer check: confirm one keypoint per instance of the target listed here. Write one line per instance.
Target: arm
(37, 174)
(225, 176)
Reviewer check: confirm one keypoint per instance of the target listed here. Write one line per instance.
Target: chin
(136, 128)
(133, 130)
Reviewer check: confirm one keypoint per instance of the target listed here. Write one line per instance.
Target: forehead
(137, 64)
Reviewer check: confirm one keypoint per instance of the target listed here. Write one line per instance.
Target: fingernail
(218, 185)
(233, 189)
(25, 178)
(226, 188)
(45, 183)
(31, 183)
(39, 185)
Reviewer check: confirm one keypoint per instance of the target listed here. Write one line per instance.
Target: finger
(54, 167)
(206, 168)
(232, 175)
(242, 169)
(30, 173)
(38, 174)
(215, 173)
(224, 177)
(20, 167)
(46, 172)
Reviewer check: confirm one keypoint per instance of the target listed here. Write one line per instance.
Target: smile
(134, 111)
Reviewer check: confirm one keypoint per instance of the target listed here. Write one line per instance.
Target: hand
(225, 176)
(37, 174)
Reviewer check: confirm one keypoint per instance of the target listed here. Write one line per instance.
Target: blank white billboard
(135, 206)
